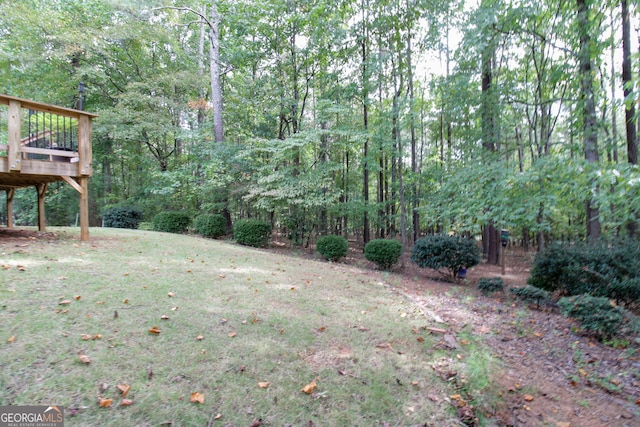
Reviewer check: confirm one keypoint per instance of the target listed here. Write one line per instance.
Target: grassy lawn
(237, 318)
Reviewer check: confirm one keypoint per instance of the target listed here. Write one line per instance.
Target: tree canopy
(396, 118)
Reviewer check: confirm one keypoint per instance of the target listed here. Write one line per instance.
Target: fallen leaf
(264, 384)
(154, 330)
(563, 424)
(464, 342)
(164, 317)
(582, 372)
(196, 397)
(104, 403)
(322, 328)
(231, 334)
(85, 337)
(65, 302)
(77, 297)
(126, 402)
(420, 339)
(222, 276)
(96, 337)
(199, 337)
(64, 311)
(217, 417)
(126, 301)
(309, 388)
(528, 398)
(100, 302)
(21, 268)
(171, 294)
(6, 267)
(11, 339)
(124, 389)
(174, 308)
(84, 359)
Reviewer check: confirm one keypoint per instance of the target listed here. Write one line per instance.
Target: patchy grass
(261, 317)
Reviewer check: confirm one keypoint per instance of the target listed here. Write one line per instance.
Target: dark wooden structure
(41, 144)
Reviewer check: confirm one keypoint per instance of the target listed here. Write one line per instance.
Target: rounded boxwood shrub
(595, 314)
(122, 217)
(586, 268)
(332, 247)
(171, 222)
(490, 285)
(383, 252)
(210, 225)
(450, 252)
(252, 232)
(531, 294)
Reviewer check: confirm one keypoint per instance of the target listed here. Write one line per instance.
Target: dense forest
(366, 118)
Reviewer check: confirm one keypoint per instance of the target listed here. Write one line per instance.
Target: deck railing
(33, 134)
(40, 144)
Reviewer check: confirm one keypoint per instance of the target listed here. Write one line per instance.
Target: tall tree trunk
(216, 87)
(488, 140)
(590, 125)
(365, 118)
(629, 112)
(415, 217)
(202, 94)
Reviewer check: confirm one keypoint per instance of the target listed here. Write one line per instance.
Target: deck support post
(10, 193)
(42, 220)
(84, 209)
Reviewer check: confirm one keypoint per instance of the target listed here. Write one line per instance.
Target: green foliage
(625, 292)
(490, 285)
(586, 268)
(332, 247)
(384, 252)
(531, 294)
(252, 232)
(122, 217)
(450, 252)
(171, 222)
(210, 225)
(596, 314)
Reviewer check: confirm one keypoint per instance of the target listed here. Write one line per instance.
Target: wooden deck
(41, 144)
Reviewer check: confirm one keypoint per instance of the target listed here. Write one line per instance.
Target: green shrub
(488, 286)
(531, 294)
(625, 292)
(332, 247)
(383, 252)
(210, 225)
(585, 268)
(252, 232)
(122, 217)
(451, 252)
(596, 314)
(171, 222)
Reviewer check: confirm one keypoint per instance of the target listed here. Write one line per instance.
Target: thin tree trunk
(202, 94)
(629, 112)
(365, 118)
(216, 87)
(590, 125)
